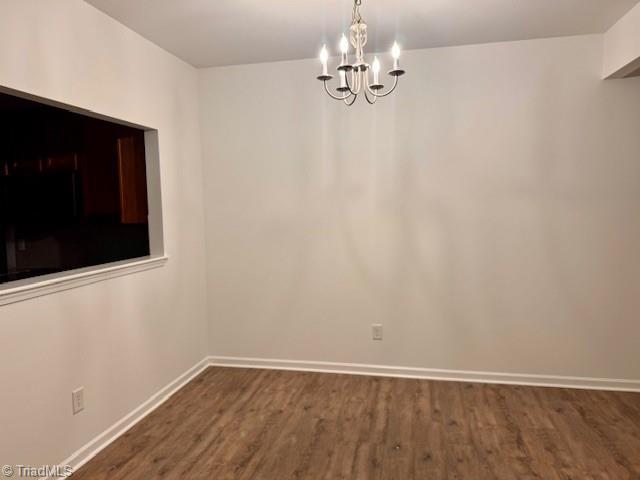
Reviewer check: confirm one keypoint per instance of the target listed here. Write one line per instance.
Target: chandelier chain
(356, 17)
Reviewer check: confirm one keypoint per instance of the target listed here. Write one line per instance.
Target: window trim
(70, 279)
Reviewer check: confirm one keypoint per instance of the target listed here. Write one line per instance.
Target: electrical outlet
(376, 330)
(77, 400)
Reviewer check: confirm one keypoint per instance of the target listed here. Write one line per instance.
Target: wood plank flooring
(245, 424)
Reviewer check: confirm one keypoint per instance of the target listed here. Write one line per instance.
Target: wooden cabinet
(132, 180)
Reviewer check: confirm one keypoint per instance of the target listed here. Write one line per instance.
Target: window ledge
(78, 278)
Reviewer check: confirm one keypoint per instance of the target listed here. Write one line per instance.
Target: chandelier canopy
(354, 79)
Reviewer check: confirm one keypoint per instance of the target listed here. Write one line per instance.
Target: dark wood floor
(274, 425)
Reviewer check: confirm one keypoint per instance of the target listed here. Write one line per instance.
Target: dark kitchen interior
(73, 190)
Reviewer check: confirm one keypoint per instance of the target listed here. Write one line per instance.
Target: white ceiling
(224, 32)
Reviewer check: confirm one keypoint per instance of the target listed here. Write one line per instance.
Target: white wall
(125, 338)
(486, 214)
(622, 46)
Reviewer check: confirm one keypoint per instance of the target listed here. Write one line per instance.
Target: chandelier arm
(349, 103)
(332, 95)
(366, 96)
(367, 90)
(379, 95)
(358, 76)
(355, 90)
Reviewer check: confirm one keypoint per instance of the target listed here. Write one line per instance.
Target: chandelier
(354, 79)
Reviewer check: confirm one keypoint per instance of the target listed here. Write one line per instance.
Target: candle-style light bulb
(344, 44)
(324, 54)
(395, 53)
(324, 57)
(376, 71)
(344, 48)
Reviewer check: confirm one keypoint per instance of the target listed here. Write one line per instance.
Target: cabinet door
(133, 180)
